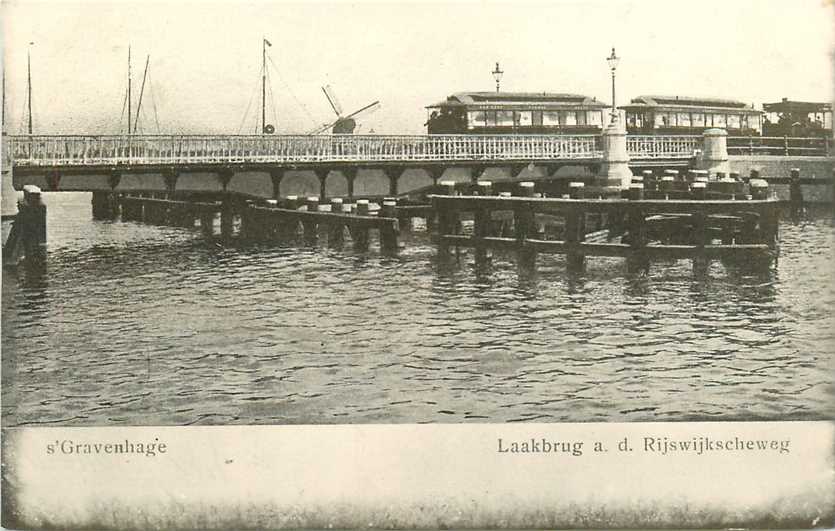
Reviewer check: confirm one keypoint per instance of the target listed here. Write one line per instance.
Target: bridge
(273, 166)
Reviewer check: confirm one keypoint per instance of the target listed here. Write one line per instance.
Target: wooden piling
(360, 234)
(105, 205)
(795, 193)
(310, 226)
(388, 232)
(523, 218)
(28, 232)
(575, 230)
(698, 190)
(207, 223)
(336, 228)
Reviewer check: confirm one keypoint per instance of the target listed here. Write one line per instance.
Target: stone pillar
(615, 174)
(714, 155)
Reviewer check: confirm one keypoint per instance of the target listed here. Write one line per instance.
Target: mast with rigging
(129, 101)
(141, 92)
(29, 83)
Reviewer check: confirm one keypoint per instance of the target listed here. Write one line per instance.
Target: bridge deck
(142, 150)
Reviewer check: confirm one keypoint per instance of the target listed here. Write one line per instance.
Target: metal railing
(190, 149)
(780, 145)
(662, 146)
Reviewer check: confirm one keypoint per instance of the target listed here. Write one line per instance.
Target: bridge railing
(780, 145)
(189, 149)
(662, 146)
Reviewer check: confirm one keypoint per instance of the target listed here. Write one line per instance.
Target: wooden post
(484, 187)
(105, 205)
(309, 225)
(698, 190)
(388, 232)
(291, 202)
(575, 231)
(336, 228)
(795, 193)
(523, 217)
(667, 185)
(287, 229)
(637, 260)
(360, 234)
(482, 220)
(31, 226)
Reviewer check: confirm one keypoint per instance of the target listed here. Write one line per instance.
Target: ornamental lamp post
(497, 75)
(613, 61)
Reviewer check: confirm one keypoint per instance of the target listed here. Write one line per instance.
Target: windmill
(343, 125)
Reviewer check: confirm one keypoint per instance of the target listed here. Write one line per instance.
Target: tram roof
(686, 102)
(518, 99)
(787, 105)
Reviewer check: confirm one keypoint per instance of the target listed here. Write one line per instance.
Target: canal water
(139, 325)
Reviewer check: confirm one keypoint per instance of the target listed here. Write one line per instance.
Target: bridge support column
(714, 156)
(28, 233)
(105, 205)
(615, 174)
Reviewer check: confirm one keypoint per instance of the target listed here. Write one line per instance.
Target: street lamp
(613, 61)
(497, 75)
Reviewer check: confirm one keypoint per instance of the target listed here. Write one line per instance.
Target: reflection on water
(134, 324)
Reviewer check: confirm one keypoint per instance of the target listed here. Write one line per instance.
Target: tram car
(517, 113)
(797, 119)
(678, 115)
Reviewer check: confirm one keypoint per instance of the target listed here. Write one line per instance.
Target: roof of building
(686, 102)
(518, 99)
(797, 106)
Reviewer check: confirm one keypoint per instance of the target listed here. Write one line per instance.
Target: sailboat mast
(141, 92)
(263, 84)
(129, 102)
(4, 103)
(29, 84)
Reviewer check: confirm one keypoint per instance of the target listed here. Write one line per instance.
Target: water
(141, 325)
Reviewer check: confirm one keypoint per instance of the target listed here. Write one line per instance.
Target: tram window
(827, 120)
(504, 118)
(523, 118)
(581, 117)
(662, 119)
(733, 121)
(719, 120)
(476, 119)
(537, 118)
(743, 121)
(698, 119)
(595, 118)
(491, 118)
(570, 118)
(550, 118)
(684, 119)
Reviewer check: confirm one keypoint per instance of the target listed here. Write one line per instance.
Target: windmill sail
(335, 105)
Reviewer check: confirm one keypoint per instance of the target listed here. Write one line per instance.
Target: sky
(205, 57)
